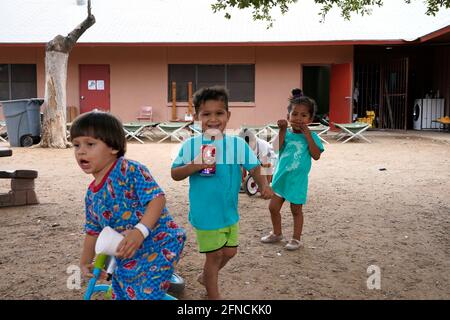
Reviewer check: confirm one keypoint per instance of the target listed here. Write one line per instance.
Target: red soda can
(208, 157)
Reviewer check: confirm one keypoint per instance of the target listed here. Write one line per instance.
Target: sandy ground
(357, 216)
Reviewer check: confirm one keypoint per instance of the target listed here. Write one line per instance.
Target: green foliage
(262, 8)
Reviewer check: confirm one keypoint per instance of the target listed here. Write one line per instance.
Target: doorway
(394, 93)
(316, 85)
(94, 87)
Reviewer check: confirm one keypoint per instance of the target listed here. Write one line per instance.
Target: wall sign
(100, 85)
(92, 85)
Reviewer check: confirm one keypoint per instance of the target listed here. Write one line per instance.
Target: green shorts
(212, 240)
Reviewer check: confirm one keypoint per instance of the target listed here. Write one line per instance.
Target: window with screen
(239, 79)
(4, 82)
(17, 81)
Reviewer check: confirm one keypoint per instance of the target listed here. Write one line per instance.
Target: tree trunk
(56, 58)
(54, 124)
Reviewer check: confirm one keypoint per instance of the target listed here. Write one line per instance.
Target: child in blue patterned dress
(296, 147)
(125, 197)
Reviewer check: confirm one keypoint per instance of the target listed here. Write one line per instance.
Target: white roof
(184, 21)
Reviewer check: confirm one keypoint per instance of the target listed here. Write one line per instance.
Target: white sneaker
(271, 238)
(293, 244)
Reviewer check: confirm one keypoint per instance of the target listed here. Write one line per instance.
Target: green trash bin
(23, 121)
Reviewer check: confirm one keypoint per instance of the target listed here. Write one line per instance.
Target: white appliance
(427, 110)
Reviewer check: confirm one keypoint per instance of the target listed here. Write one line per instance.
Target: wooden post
(388, 100)
(174, 101)
(190, 98)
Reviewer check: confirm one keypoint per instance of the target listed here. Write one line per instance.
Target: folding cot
(137, 130)
(172, 129)
(320, 129)
(353, 130)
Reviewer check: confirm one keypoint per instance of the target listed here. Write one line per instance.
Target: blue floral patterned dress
(119, 202)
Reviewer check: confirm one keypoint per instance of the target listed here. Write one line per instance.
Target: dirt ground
(357, 216)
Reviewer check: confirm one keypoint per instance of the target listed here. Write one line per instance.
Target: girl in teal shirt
(296, 146)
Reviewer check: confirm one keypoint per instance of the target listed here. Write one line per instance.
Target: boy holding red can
(213, 197)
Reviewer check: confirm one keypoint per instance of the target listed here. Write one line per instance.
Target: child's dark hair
(297, 97)
(202, 95)
(103, 126)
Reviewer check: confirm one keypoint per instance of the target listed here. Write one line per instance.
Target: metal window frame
(9, 67)
(196, 77)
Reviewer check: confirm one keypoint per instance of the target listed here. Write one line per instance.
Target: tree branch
(76, 33)
(65, 44)
(89, 7)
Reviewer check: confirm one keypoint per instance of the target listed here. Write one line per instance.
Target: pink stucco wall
(26, 55)
(139, 74)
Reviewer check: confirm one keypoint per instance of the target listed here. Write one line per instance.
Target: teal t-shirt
(213, 200)
(290, 179)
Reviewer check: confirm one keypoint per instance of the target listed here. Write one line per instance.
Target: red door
(341, 93)
(94, 87)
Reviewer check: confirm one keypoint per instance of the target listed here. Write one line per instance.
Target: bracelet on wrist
(143, 229)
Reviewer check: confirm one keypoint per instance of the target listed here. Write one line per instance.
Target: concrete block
(22, 184)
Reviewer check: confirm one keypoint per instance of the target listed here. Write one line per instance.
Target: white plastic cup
(108, 241)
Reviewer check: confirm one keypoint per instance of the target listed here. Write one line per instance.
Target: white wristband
(143, 229)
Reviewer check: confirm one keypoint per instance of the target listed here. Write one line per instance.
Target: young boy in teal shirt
(213, 199)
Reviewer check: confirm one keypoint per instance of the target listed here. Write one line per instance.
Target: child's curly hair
(202, 95)
(297, 97)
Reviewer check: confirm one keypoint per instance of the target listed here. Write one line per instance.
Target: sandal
(271, 238)
(293, 244)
